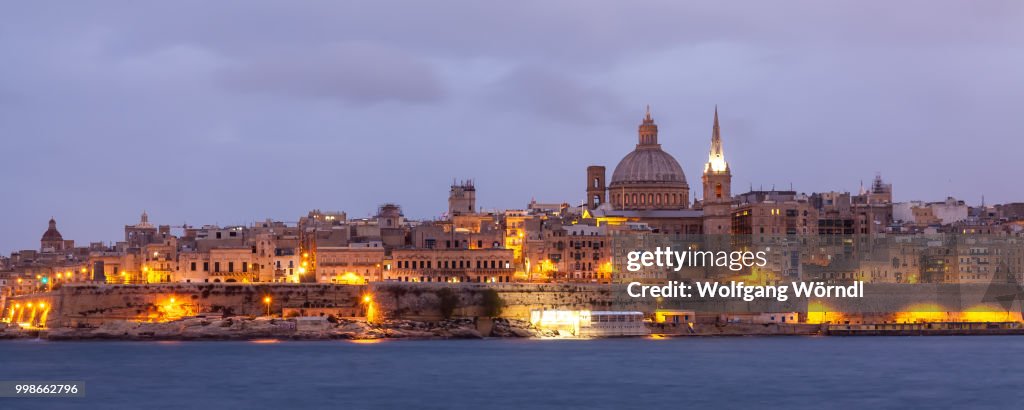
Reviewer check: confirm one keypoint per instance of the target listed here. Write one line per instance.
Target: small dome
(648, 165)
(52, 234)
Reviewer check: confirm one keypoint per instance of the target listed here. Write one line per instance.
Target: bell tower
(596, 192)
(717, 180)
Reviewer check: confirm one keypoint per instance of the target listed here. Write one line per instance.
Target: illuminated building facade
(451, 265)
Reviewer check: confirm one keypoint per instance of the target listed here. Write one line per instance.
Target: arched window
(718, 190)
(596, 183)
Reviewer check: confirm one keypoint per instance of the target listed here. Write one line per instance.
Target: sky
(233, 112)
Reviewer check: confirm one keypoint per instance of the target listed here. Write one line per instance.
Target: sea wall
(73, 305)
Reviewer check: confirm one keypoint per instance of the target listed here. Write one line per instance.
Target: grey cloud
(143, 102)
(356, 72)
(555, 96)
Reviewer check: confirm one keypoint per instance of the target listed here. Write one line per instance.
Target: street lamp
(266, 301)
(371, 312)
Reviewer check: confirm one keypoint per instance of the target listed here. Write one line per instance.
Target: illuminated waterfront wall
(82, 304)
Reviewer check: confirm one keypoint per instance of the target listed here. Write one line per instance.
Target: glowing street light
(371, 311)
(266, 301)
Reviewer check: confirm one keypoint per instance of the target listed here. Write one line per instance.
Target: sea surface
(732, 372)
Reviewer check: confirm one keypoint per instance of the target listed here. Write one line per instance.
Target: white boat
(587, 323)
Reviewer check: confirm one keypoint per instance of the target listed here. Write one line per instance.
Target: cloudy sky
(220, 112)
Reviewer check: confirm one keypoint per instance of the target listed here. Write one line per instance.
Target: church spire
(648, 131)
(716, 156)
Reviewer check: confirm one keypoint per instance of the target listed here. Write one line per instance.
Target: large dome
(648, 178)
(648, 165)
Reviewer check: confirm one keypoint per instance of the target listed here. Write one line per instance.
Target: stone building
(774, 213)
(355, 264)
(462, 198)
(583, 254)
(450, 265)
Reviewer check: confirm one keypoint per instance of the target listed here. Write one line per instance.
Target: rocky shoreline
(238, 328)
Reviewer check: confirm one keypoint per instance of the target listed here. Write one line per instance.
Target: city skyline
(111, 118)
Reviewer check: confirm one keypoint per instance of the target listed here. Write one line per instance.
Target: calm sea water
(747, 372)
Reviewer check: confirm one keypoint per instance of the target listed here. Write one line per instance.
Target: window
(216, 266)
(231, 266)
(193, 266)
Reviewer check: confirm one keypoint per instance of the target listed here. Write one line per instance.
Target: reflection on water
(740, 372)
(366, 341)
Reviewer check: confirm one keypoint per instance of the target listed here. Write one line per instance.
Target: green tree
(492, 302)
(447, 301)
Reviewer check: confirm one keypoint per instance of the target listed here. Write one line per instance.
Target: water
(746, 372)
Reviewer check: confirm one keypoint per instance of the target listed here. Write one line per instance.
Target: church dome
(648, 166)
(51, 234)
